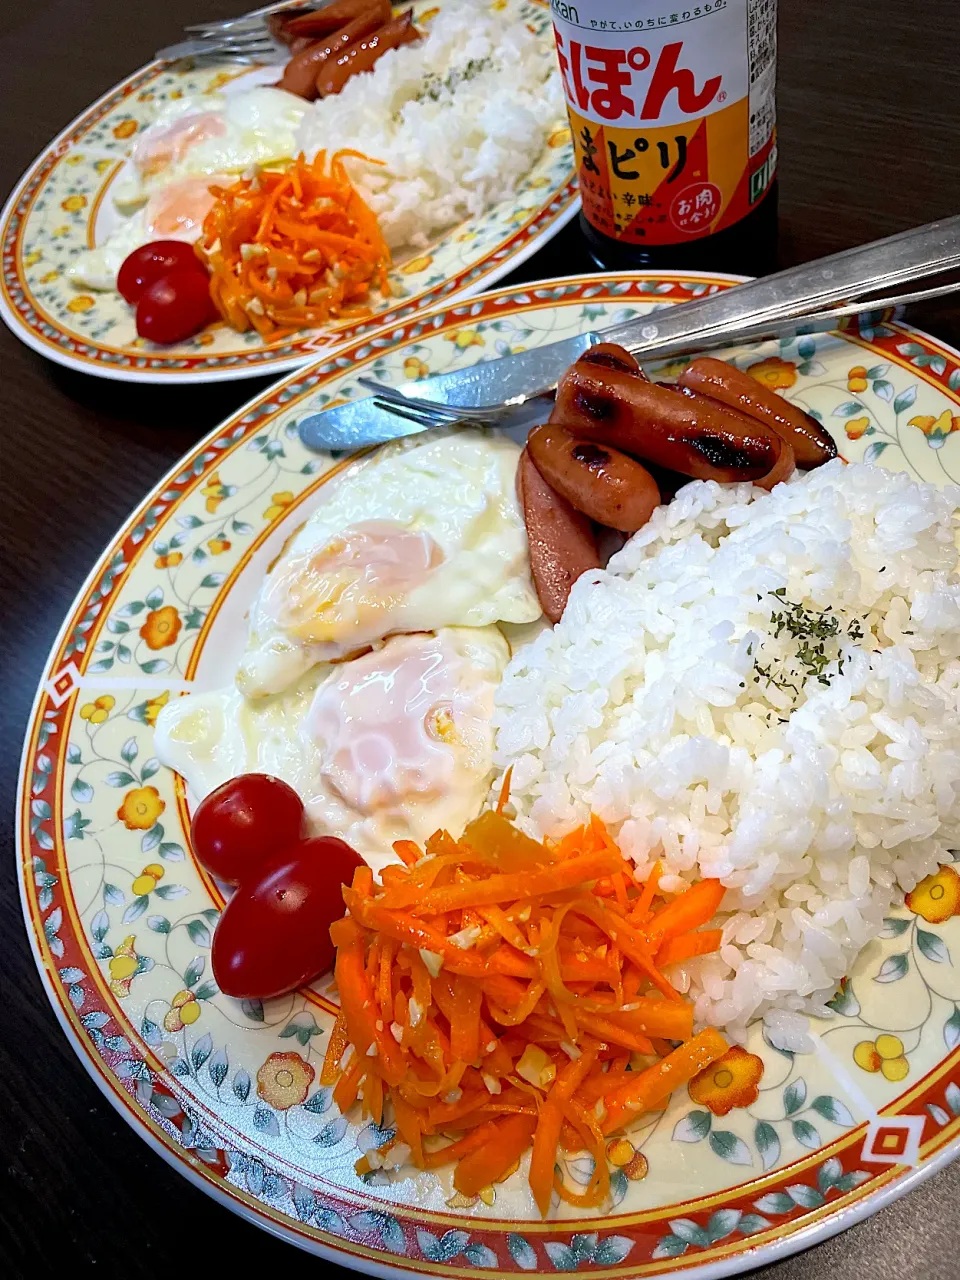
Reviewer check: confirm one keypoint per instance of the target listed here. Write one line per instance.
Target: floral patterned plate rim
(61, 202)
(764, 1153)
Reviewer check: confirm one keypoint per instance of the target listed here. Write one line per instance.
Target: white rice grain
(457, 119)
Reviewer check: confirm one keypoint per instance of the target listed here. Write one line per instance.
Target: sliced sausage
(301, 72)
(687, 433)
(785, 463)
(278, 24)
(733, 387)
(610, 356)
(561, 540)
(597, 479)
(363, 54)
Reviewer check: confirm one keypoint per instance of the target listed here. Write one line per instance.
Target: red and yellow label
(670, 184)
(672, 114)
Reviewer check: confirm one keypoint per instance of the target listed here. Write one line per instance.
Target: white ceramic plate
(774, 1152)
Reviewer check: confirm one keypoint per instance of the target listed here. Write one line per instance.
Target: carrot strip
(650, 1016)
(491, 1161)
(356, 1000)
(363, 881)
(465, 1146)
(505, 790)
(507, 929)
(508, 888)
(521, 1011)
(410, 930)
(620, 890)
(656, 1083)
(649, 891)
(336, 1045)
(410, 1128)
(598, 1188)
(609, 1030)
(465, 1022)
(599, 1085)
(689, 910)
(448, 1114)
(630, 941)
(373, 1097)
(688, 945)
(407, 852)
(388, 951)
(547, 1135)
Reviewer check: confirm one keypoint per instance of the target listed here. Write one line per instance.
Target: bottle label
(672, 111)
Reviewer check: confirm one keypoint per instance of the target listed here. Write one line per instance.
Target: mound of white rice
(457, 118)
(816, 785)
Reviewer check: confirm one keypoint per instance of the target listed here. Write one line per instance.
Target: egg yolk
(179, 210)
(159, 150)
(386, 722)
(344, 590)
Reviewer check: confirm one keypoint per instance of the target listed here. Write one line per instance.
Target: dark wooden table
(869, 145)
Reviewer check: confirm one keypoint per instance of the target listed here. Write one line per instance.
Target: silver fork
(245, 38)
(246, 21)
(251, 44)
(430, 413)
(522, 409)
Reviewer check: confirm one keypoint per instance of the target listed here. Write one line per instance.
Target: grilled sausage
(598, 480)
(684, 432)
(610, 356)
(302, 71)
(362, 54)
(289, 24)
(562, 545)
(277, 24)
(715, 378)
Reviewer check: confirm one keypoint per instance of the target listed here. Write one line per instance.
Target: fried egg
(389, 746)
(425, 534)
(195, 142)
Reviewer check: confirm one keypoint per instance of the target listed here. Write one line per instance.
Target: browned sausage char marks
(611, 356)
(687, 433)
(597, 479)
(735, 388)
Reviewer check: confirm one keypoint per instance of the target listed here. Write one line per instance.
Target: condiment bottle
(673, 116)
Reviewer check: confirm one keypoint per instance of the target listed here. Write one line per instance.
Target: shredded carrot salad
(291, 249)
(501, 994)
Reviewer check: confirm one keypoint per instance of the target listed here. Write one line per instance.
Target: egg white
(444, 502)
(389, 746)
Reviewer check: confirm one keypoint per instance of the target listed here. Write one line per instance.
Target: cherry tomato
(240, 824)
(176, 306)
(274, 934)
(151, 262)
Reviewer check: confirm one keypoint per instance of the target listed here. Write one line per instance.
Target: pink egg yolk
(158, 150)
(343, 591)
(386, 722)
(178, 211)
